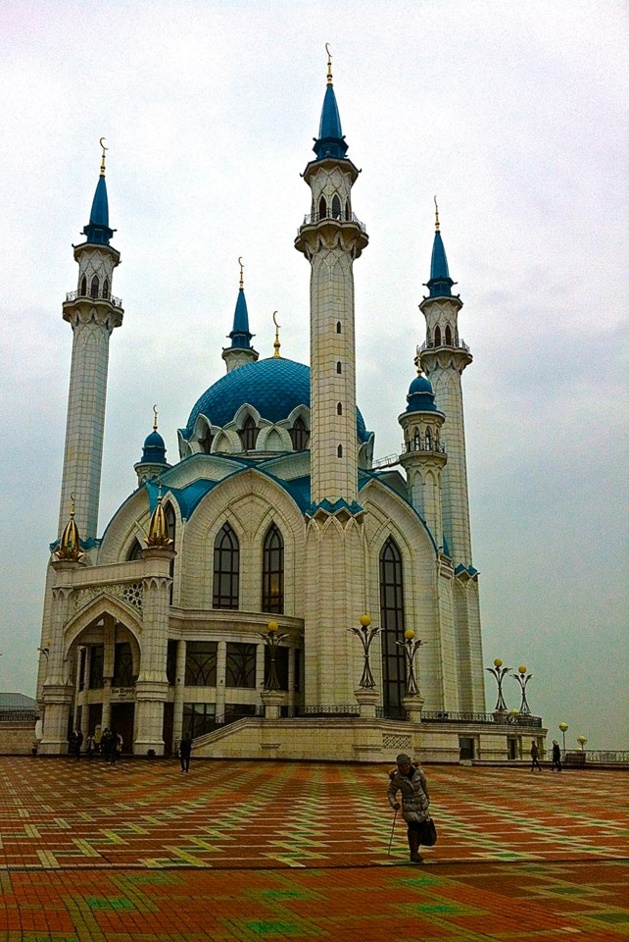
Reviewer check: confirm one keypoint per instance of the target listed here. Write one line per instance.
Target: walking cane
(392, 830)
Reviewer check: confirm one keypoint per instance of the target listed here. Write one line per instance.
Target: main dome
(274, 387)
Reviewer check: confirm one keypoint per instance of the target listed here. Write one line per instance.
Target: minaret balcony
(312, 219)
(423, 444)
(115, 302)
(430, 345)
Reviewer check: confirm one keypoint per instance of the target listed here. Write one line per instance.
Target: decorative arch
(83, 285)
(226, 569)
(392, 622)
(273, 571)
(94, 287)
(448, 335)
(437, 336)
(336, 207)
(102, 605)
(248, 434)
(323, 208)
(299, 434)
(106, 289)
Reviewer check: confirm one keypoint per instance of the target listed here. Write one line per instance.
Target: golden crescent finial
(72, 505)
(102, 160)
(242, 267)
(436, 215)
(327, 49)
(276, 342)
(155, 418)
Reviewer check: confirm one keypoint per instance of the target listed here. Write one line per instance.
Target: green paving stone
(610, 917)
(117, 904)
(449, 908)
(272, 928)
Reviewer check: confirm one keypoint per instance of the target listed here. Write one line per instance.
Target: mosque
(274, 592)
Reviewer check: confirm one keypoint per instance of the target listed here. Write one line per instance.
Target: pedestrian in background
(556, 756)
(535, 756)
(409, 780)
(185, 751)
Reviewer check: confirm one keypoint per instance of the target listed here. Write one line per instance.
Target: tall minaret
(444, 356)
(331, 237)
(241, 351)
(93, 312)
(335, 570)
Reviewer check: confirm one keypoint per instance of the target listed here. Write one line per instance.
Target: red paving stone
(269, 851)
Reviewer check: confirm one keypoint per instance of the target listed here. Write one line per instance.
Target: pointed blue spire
(97, 231)
(240, 335)
(331, 142)
(440, 284)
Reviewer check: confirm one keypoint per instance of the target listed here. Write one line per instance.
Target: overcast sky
(514, 115)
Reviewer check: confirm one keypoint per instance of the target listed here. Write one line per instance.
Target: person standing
(90, 744)
(78, 742)
(409, 781)
(556, 756)
(185, 751)
(535, 756)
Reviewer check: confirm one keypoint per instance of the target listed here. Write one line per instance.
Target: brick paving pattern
(268, 851)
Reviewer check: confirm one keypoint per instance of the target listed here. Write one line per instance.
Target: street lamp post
(564, 728)
(366, 636)
(523, 678)
(582, 741)
(410, 648)
(272, 640)
(499, 672)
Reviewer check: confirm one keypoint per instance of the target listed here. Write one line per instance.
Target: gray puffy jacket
(414, 792)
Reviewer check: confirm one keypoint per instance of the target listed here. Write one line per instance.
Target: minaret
(241, 351)
(93, 312)
(444, 356)
(331, 238)
(424, 455)
(153, 461)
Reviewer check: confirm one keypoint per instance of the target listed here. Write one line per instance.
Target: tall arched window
(299, 434)
(83, 286)
(323, 208)
(248, 434)
(339, 367)
(339, 451)
(428, 440)
(448, 335)
(348, 214)
(106, 289)
(171, 523)
(226, 568)
(338, 327)
(392, 622)
(273, 571)
(437, 336)
(339, 408)
(336, 207)
(94, 287)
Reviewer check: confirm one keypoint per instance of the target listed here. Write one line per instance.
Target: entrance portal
(122, 720)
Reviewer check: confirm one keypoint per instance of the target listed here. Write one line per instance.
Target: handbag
(428, 833)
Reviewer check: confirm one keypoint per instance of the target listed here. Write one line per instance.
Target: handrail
(111, 299)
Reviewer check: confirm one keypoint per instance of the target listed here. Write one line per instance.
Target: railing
(448, 716)
(73, 295)
(329, 709)
(422, 444)
(386, 462)
(18, 716)
(606, 756)
(430, 345)
(313, 218)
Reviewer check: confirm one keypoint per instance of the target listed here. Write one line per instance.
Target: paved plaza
(270, 851)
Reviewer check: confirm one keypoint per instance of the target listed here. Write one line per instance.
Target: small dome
(421, 397)
(274, 386)
(154, 450)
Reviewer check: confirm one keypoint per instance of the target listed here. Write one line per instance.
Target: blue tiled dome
(421, 397)
(154, 449)
(274, 387)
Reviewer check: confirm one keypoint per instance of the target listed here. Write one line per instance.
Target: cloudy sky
(514, 115)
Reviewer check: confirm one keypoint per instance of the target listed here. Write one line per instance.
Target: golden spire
(242, 268)
(417, 361)
(102, 159)
(276, 342)
(327, 49)
(436, 215)
(158, 527)
(155, 418)
(69, 548)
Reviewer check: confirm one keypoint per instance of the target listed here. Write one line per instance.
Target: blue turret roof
(154, 450)
(97, 231)
(240, 335)
(421, 397)
(331, 142)
(440, 284)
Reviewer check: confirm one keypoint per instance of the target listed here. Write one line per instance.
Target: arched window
(171, 523)
(94, 287)
(428, 440)
(437, 336)
(206, 440)
(226, 568)
(248, 434)
(348, 214)
(336, 207)
(392, 622)
(416, 440)
(299, 434)
(339, 408)
(273, 571)
(83, 286)
(201, 659)
(135, 552)
(448, 335)
(323, 208)
(106, 289)
(339, 451)
(338, 327)
(339, 368)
